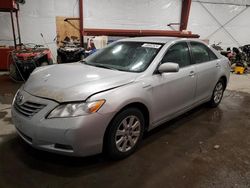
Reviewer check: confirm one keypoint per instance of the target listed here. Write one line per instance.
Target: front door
(174, 92)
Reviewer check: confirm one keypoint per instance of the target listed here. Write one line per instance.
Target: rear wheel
(125, 133)
(217, 93)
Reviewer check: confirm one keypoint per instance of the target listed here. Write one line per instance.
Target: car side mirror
(168, 67)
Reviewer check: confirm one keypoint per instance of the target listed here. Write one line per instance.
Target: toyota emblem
(19, 98)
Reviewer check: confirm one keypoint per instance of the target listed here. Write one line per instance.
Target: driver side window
(178, 53)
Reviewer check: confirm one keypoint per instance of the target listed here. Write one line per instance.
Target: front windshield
(125, 56)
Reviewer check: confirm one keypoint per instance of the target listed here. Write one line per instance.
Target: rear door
(207, 70)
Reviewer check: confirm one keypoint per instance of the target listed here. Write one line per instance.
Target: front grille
(28, 109)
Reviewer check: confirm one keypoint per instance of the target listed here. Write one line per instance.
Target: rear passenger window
(212, 55)
(201, 53)
(178, 53)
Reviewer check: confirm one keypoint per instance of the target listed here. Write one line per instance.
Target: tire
(50, 62)
(14, 73)
(59, 59)
(217, 93)
(124, 134)
(45, 63)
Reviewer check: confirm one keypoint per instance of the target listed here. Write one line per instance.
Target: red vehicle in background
(26, 58)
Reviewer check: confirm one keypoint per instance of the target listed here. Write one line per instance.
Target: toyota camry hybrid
(106, 102)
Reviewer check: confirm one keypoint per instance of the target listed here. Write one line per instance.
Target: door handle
(217, 65)
(192, 73)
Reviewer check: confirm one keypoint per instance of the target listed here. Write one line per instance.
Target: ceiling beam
(130, 33)
(134, 33)
(185, 10)
(81, 21)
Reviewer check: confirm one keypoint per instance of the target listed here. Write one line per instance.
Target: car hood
(74, 81)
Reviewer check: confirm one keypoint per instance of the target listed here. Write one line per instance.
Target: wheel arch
(142, 107)
(224, 79)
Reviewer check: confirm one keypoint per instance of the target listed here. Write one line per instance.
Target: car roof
(162, 40)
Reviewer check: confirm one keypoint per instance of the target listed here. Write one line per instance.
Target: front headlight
(76, 109)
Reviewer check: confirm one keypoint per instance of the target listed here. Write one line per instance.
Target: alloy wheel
(128, 133)
(218, 92)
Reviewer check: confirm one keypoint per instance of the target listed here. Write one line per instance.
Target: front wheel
(217, 93)
(125, 133)
(45, 63)
(59, 59)
(15, 73)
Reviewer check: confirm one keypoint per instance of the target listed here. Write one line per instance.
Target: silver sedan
(109, 100)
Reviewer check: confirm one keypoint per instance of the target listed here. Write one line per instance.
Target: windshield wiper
(103, 66)
(98, 65)
(83, 61)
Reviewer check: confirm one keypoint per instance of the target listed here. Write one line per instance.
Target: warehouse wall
(224, 21)
(131, 14)
(38, 16)
(219, 21)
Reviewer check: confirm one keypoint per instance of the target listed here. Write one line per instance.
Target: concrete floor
(180, 153)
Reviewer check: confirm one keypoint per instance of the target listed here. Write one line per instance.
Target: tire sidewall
(212, 102)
